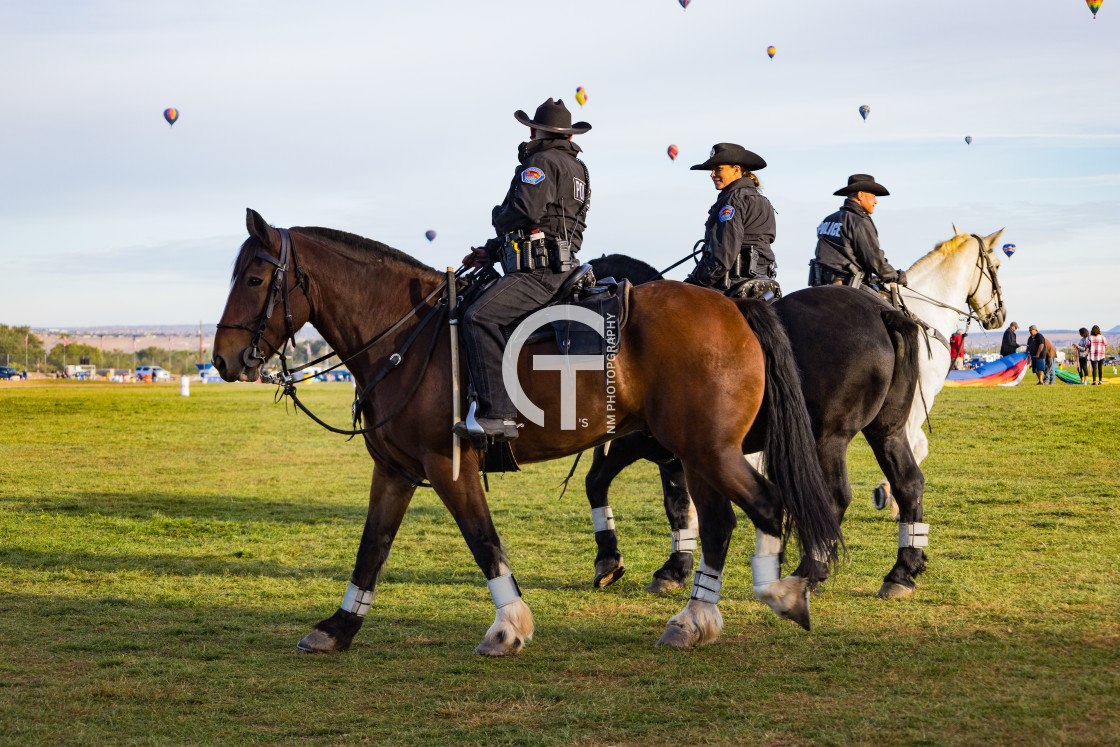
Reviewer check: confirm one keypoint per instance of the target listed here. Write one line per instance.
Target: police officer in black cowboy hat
(848, 250)
(539, 229)
(740, 226)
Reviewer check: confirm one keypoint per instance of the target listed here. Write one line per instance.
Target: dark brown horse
(692, 371)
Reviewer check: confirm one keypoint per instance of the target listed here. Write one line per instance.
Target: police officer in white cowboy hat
(539, 229)
(848, 250)
(740, 226)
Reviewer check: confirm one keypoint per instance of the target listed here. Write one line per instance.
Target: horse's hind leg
(683, 530)
(389, 495)
(896, 459)
(700, 622)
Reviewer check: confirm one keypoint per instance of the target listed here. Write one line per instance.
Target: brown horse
(693, 370)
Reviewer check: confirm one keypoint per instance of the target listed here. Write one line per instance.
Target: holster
(526, 254)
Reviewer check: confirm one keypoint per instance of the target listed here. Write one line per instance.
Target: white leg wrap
(602, 518)
(913, 534)
(503, 590)
(357, 601)
(766, 565)
(706, 583)
(684, 540)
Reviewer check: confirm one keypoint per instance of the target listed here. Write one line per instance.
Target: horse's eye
(254, 282)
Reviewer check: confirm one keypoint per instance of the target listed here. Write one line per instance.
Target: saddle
(609, 298)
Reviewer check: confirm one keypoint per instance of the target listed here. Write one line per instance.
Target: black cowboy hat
(552, 116)
(730, 154)
(862, 183)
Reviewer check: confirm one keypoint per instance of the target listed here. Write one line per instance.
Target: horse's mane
(943, 249)
(355, 248)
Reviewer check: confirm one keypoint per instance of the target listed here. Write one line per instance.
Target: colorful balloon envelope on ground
(968, 140)
(171, 115)
(581, 96)
(864, 111)
(430, 235)
(684, 3)
(771, 51)
(1094, 5)
(673, 151)
(1008, 249)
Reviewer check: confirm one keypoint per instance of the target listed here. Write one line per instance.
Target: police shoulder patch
(727, 213)
(532, 175)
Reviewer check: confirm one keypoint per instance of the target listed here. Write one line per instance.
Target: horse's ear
(956, 231)
(258, 227)
(993, 239)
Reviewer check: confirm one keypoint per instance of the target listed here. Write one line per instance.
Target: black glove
(707, 273)
(901, 279)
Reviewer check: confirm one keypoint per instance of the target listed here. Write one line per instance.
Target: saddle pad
(573, 338)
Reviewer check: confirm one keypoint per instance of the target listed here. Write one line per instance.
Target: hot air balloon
(771, 51)
(171, 115)
(968, 140)
(1008, 249)
(1094, 5)
(673, 151)
(430, 235)
(864, 111)
(684, 3)
(581, 96)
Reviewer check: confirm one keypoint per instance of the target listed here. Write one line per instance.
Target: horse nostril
(219, 363)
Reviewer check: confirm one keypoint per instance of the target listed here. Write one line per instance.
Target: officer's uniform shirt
(740, 218)
(548, 192)
(849, 237)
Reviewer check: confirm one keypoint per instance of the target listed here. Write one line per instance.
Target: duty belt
(535, 251)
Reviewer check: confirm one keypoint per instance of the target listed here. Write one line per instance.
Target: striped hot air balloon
(171, 115)
(968, 139)
(673, 151)
(1008, 249)
(684, 3)
(1094, 5)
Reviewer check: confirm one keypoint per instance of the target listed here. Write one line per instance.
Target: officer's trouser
(486, 325)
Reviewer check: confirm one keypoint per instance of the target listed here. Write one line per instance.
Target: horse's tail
(788, 444)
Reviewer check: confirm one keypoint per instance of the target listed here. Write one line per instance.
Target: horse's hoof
(318, 642)
(664, 586)
(676, 637)
(608, 571)
(799, 610)
(891, 590)
(495, 647)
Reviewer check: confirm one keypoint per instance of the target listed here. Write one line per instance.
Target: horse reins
(253, 356)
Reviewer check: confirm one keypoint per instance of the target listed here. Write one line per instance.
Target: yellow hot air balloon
(581, 96)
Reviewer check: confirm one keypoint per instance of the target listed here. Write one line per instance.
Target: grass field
(160, 556)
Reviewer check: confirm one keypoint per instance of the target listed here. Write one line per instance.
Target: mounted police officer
(740, 226)
(848, 250)
(539, 229)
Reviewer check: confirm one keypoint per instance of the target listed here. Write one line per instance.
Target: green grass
(160, 556)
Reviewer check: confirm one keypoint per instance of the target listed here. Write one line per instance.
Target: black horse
(870, 353)
(864, 367)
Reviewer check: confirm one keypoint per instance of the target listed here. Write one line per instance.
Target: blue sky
(390, 118)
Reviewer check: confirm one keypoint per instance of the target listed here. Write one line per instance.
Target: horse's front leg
(684, 529)
(389, 495)
(465, 499)
(907, 486)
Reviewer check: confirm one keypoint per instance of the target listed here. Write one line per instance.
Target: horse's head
(264, 277)
(986, 298)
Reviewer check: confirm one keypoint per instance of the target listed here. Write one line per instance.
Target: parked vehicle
(156, 372)
(7, 372)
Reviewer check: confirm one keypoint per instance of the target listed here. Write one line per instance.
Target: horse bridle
(253, 356)
(986, 267)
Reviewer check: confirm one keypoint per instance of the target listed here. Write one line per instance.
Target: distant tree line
(178, 362)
